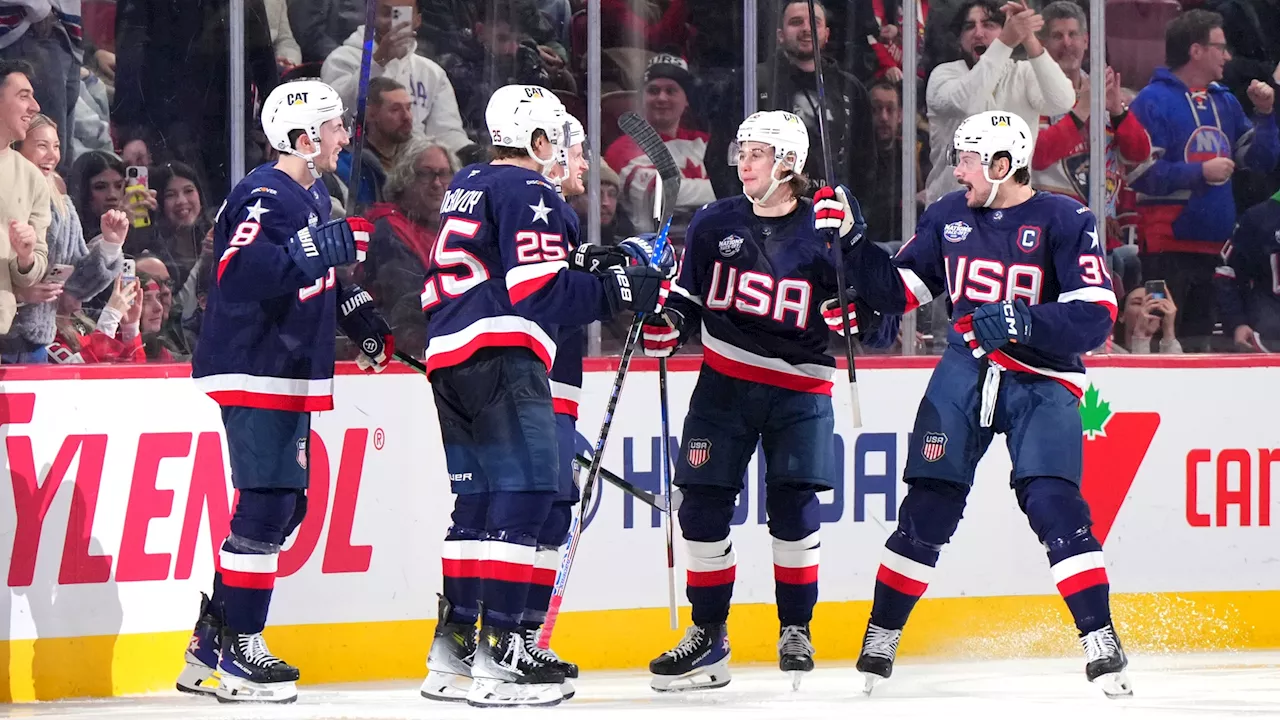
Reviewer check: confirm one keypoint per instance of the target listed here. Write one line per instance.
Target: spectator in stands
(319, 26)
(389, 123)
(93, 264)
(1250, 30)
(181, 221)
(987, 78)
(25, 203)
(615, 225)
(1184, 192)
(173, 80)
(404, 234)
(395, 57)
(115, 337)
(787, 82)
(1144, 320)
(161, 328)
(1248, 294)
(92, 129)
(882, 204)
(48, 35)
(1061, 160)
(667, 83)
(136, 152)
(288, 54)
(97, 185)
(499, 52)
(887, 43)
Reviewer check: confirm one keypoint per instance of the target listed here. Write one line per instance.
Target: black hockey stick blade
(413, 362)
(639, 129)
(657, 502)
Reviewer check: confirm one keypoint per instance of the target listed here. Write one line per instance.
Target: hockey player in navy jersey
(499, 285)
(1248, 281)
(753, 280)
(1025, 279)
(266, 356)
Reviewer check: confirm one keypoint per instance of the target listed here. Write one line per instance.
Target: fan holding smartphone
(1149, 312)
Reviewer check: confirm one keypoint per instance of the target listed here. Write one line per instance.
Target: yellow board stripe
(981, 627)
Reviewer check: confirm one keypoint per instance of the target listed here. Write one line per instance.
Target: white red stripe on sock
(711, 563)
(461, 558)
(248, 571)
(506, 561)
(545, 564)
(796, 561)
(904, 574)
(1079, 572)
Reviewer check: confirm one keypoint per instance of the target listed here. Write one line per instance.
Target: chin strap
(995, 184)
(777, 181)
(310, 158)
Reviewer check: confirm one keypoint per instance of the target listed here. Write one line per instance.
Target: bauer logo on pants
(699, 452)
(935, 446)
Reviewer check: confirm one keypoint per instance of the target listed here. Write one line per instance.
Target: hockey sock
(546, 562)
(705, 513)
(926, 520)
(460, 560)
(1060, 518)
(508, 552)
(793, 523)
(249, 557)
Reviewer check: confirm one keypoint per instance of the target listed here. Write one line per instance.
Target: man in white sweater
(435, 108)
(987, 78)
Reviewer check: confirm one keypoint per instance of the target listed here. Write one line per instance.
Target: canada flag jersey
(1045, 251)
(499, 273)
(757, 286)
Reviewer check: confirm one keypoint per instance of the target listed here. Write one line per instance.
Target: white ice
(1237, 685)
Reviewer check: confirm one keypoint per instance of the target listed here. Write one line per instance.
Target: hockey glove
(640, 250)
(597, 258)
(993, 325)
(335, 243)
(832, 316)
(837, 209)
(639, 288)
(361, 321)
(662, 333)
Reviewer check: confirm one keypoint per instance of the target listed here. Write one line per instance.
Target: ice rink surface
(1237, 685)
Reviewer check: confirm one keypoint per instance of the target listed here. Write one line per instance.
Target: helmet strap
(773, 186)
(995, 184)
(310, 158)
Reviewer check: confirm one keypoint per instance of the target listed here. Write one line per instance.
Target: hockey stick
(362, 101)
(832, 240)
(649, 141)
(413, 362)
(667, 190)
(657, 502)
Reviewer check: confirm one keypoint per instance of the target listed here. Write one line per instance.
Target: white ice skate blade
(492, 692)
(703, 678)
(870, 680)
(567, 690)
(1115, 685)
(232, 689)
(445, 687)
(796, 677)
(198, 679)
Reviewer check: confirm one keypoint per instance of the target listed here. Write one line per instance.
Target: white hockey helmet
(782, 130)
(516, 112)
(574, 134)
(991, 133)
(299, 105)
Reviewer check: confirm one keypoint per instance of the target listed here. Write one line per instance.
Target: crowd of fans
(114, 140)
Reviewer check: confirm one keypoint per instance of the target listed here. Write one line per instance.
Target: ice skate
(795, 652)
(879, 648)
(549, 656)
(699, 662)
(198, 677)
(1105, 662)
(248, 672)
(504, 674)
(449, 660)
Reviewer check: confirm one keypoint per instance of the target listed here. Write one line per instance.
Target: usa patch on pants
(698, 452)
(934, 447)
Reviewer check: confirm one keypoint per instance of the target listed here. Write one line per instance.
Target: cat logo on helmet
(1000, 121)
(296, 99)
(533, 91)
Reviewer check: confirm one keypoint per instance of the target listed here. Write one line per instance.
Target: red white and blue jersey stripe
(1045, 251)
(267, 336)
(499, 273)
(17, 16)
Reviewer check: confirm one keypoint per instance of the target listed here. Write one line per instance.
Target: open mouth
(46, 168)
(979, 49)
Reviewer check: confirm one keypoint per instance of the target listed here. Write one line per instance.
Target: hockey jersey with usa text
(268, 331)
(499, 274)
(756, 285)
(1046, 251)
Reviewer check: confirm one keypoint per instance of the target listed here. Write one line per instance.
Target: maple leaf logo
(1094, 414)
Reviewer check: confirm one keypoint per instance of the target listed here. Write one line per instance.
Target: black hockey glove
(640, 250)
(993, 325)
(335, 243)
(596, 258)
(837, 209)
(361, 322)
(662, 333)
(639, 288)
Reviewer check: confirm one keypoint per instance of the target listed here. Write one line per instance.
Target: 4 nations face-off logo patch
(698, 452)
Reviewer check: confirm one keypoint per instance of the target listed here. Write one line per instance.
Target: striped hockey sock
(795, 575)
(904, 575)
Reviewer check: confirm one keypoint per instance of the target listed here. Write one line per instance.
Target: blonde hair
(41, 120)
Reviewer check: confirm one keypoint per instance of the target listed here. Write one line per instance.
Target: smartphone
(137, 175)
(1156, 289)
(402, 13)
(130, 272)
(59, 274)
